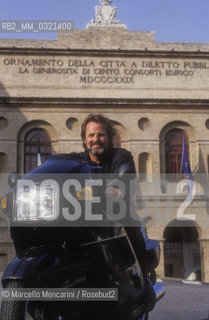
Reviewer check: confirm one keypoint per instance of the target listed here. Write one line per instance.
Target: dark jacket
(113, 161)
(119, 161)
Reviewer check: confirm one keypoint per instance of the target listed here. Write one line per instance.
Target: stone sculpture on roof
(105, 16)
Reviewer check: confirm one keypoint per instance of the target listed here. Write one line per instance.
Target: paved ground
(183, 301)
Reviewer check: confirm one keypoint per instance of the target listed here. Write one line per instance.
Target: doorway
(182, 252)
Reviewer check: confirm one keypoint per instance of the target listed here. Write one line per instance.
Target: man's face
(96, 138)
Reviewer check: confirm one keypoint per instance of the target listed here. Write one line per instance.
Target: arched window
(36, 141)
(173, 152)
(3, 162)
(208, 165)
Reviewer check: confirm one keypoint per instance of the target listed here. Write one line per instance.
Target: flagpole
(185, 168)
(39, 152)
(182, 153)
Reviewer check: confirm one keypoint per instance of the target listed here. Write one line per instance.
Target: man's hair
(98, 118)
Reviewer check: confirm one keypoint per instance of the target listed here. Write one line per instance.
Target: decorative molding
(105, 16)
(118, 103)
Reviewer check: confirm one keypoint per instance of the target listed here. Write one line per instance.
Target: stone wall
(146, 88)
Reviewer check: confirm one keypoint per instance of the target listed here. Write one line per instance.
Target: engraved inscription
(106, 71)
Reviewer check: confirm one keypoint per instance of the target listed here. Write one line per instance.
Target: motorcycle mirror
(12, 179)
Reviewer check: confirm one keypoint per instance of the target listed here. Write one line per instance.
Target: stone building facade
(154, 92)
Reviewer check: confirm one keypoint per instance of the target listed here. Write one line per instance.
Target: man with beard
(97, 135)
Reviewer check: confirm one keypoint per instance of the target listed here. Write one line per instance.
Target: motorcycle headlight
(35, 202)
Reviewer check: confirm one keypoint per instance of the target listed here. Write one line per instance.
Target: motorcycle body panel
(53, 256)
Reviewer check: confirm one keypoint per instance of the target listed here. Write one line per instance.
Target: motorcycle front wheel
(20, 310)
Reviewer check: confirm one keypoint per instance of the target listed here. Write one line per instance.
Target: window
(173, 152)
(36, 140)
(145, 167)
(3, 162)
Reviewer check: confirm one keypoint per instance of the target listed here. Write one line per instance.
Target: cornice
(106, 53)
(104, 102)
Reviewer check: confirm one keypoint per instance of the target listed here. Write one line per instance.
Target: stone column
(204, 250)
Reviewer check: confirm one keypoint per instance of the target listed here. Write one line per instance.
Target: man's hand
(114, 191)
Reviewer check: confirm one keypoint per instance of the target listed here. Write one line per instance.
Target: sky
(172, 20)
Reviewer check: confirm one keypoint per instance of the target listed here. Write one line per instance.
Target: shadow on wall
(7, 160)
(5, 140)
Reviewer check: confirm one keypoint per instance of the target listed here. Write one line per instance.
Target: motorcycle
(57, 248)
